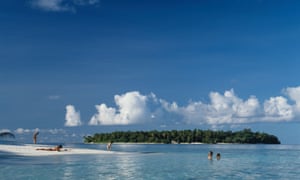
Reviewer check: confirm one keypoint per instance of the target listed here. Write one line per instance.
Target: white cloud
(28, 131)
(249, 108)
(4, 130)
(54, 131)
(223, 109)
(132, 109)
(51, 5)
(72, 117)
(277, 109)
(23, 131)
(61, 5)
(294, 94)
(226, 108)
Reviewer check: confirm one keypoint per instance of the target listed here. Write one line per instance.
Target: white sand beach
(31, 150)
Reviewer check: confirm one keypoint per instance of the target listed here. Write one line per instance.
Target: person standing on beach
(36, 133)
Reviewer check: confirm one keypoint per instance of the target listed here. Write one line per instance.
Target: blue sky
(76, 67)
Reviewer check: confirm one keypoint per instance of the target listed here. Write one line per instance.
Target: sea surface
(160, 161)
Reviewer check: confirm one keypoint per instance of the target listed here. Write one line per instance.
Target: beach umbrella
(7, 135)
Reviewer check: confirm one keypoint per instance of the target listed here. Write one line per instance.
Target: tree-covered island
(245, 136)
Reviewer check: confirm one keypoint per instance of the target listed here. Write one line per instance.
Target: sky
(70, 68)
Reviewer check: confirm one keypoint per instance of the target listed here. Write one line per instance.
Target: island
(245, 136)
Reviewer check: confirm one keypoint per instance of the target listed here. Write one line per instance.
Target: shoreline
(31, 150)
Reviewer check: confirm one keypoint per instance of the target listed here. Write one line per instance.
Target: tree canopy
(245, 136)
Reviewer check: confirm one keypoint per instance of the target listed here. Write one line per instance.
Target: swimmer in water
(218, 156)
(210, 155)
(108, 146)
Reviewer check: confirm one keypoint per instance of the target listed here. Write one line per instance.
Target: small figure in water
(210, 155)
(108, 146)
(36, 133)
(218, 156)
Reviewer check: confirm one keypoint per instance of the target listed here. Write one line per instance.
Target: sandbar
(30, 150)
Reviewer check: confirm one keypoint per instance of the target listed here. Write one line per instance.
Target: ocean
(160, 161)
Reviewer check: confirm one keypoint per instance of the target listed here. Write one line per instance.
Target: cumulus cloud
(294, 94)
(223, 109)
(277, 109)
(227, 108)
(72, 116)
(132, 109)
(61, 5)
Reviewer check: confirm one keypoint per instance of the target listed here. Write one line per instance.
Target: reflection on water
(170, 162)
(127, 166)
(68, 169)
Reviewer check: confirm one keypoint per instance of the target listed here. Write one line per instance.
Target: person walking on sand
(36, 133)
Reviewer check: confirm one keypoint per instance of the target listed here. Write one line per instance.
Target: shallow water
(159, 161)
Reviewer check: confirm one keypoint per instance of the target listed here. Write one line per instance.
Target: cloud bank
(61, 5)
(72, 116)
(223, 108)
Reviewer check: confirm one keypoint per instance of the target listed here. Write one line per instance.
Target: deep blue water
(160, 161)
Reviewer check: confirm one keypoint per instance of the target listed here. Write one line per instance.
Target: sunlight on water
(161, 162)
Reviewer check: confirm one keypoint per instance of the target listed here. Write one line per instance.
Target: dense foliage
(245, 136)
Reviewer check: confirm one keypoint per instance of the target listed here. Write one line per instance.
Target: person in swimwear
(218, 156)
(56, 148)
(35, 137)
(108, 146)
(210, 155)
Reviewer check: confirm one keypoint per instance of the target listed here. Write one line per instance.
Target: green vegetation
(245, 136)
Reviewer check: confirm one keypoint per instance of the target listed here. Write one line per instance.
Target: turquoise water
(158, 161)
